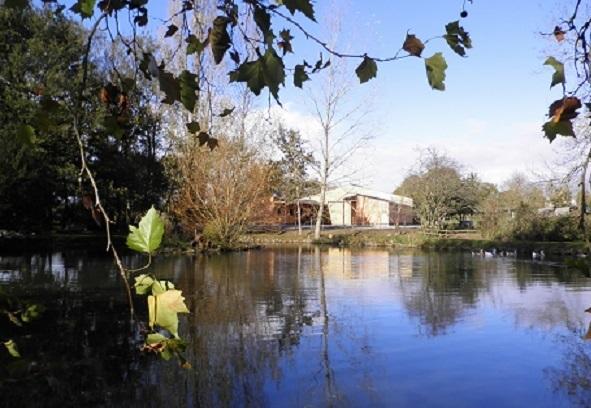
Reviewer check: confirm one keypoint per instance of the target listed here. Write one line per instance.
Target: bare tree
(342, 119)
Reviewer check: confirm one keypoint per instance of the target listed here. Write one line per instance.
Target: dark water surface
(306, 327)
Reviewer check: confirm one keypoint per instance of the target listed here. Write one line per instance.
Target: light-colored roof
(349, 191)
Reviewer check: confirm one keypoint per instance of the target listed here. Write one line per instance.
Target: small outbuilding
(355, 205)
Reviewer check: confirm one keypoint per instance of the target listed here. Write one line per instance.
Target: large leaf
(552, 129)
(558, 76)
(436, 66)
(170, 86)
(147, 237)
(163, 310)
(367, 70)
(267, 71)
(303, 6)
(84, 7)
(219, 39)
(262, 19)
(189, 87)
(457, 38)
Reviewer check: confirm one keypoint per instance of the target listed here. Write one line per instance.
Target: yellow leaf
(163, 310)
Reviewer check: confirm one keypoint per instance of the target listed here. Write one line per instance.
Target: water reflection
(306, 327)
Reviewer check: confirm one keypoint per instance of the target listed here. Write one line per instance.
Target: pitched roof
(349, 191)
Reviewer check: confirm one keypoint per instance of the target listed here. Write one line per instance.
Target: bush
(527, 225)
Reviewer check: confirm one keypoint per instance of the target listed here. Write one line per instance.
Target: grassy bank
(411, 239)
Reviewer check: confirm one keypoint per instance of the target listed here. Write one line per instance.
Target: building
(354, 205)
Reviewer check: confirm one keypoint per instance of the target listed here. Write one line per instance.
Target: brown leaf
(413, 45)
(564, 109)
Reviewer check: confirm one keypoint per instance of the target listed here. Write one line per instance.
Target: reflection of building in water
(342, 262)
(401, 265)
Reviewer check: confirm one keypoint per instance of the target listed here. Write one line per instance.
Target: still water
(306, 327)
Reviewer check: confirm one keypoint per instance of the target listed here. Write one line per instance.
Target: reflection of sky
(418, 329)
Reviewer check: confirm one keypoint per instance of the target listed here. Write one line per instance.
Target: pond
(306, 327)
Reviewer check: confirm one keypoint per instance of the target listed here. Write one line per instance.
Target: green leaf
(84, 7)
(273, 71)
(552, 129)
(193, 127)
(148, 236)
(267, 71)
(163, 310)
(195, 45)
(457, 38)
(143, 283)
(172, 29)
(303, 6)
(413, 45)
(262, 19)
(25, 134)
(219, 39)
(300, 75)
(161, 286)
(436, 67)
(558, 76)
(31, 313)
(154, 338)
(367, 70)
(170, 86)
(189, 87)
(11, 347)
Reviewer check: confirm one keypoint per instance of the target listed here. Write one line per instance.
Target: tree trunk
(323, 183)
(320, 209)
(299, 212)
(583, 206)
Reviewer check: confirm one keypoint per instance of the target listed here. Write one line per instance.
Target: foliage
(164, 301)
(572, 31)
(40, 68)
(18, 314)
(293, 167)
(222, 192)
(440, 191)
(249, 33)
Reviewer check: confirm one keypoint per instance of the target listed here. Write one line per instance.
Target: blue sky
(490, 116)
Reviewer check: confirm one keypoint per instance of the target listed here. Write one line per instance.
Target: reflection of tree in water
(445, 287)
(243, 317)
(573, 378)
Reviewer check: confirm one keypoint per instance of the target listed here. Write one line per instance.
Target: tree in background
(292, 169)
(39, 186)
(223, 191)
(435, 185)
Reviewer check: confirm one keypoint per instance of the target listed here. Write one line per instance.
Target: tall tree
(294, 165)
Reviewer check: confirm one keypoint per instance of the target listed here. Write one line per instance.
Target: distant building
(354, 205)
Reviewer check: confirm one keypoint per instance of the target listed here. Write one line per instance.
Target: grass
(410, 239)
